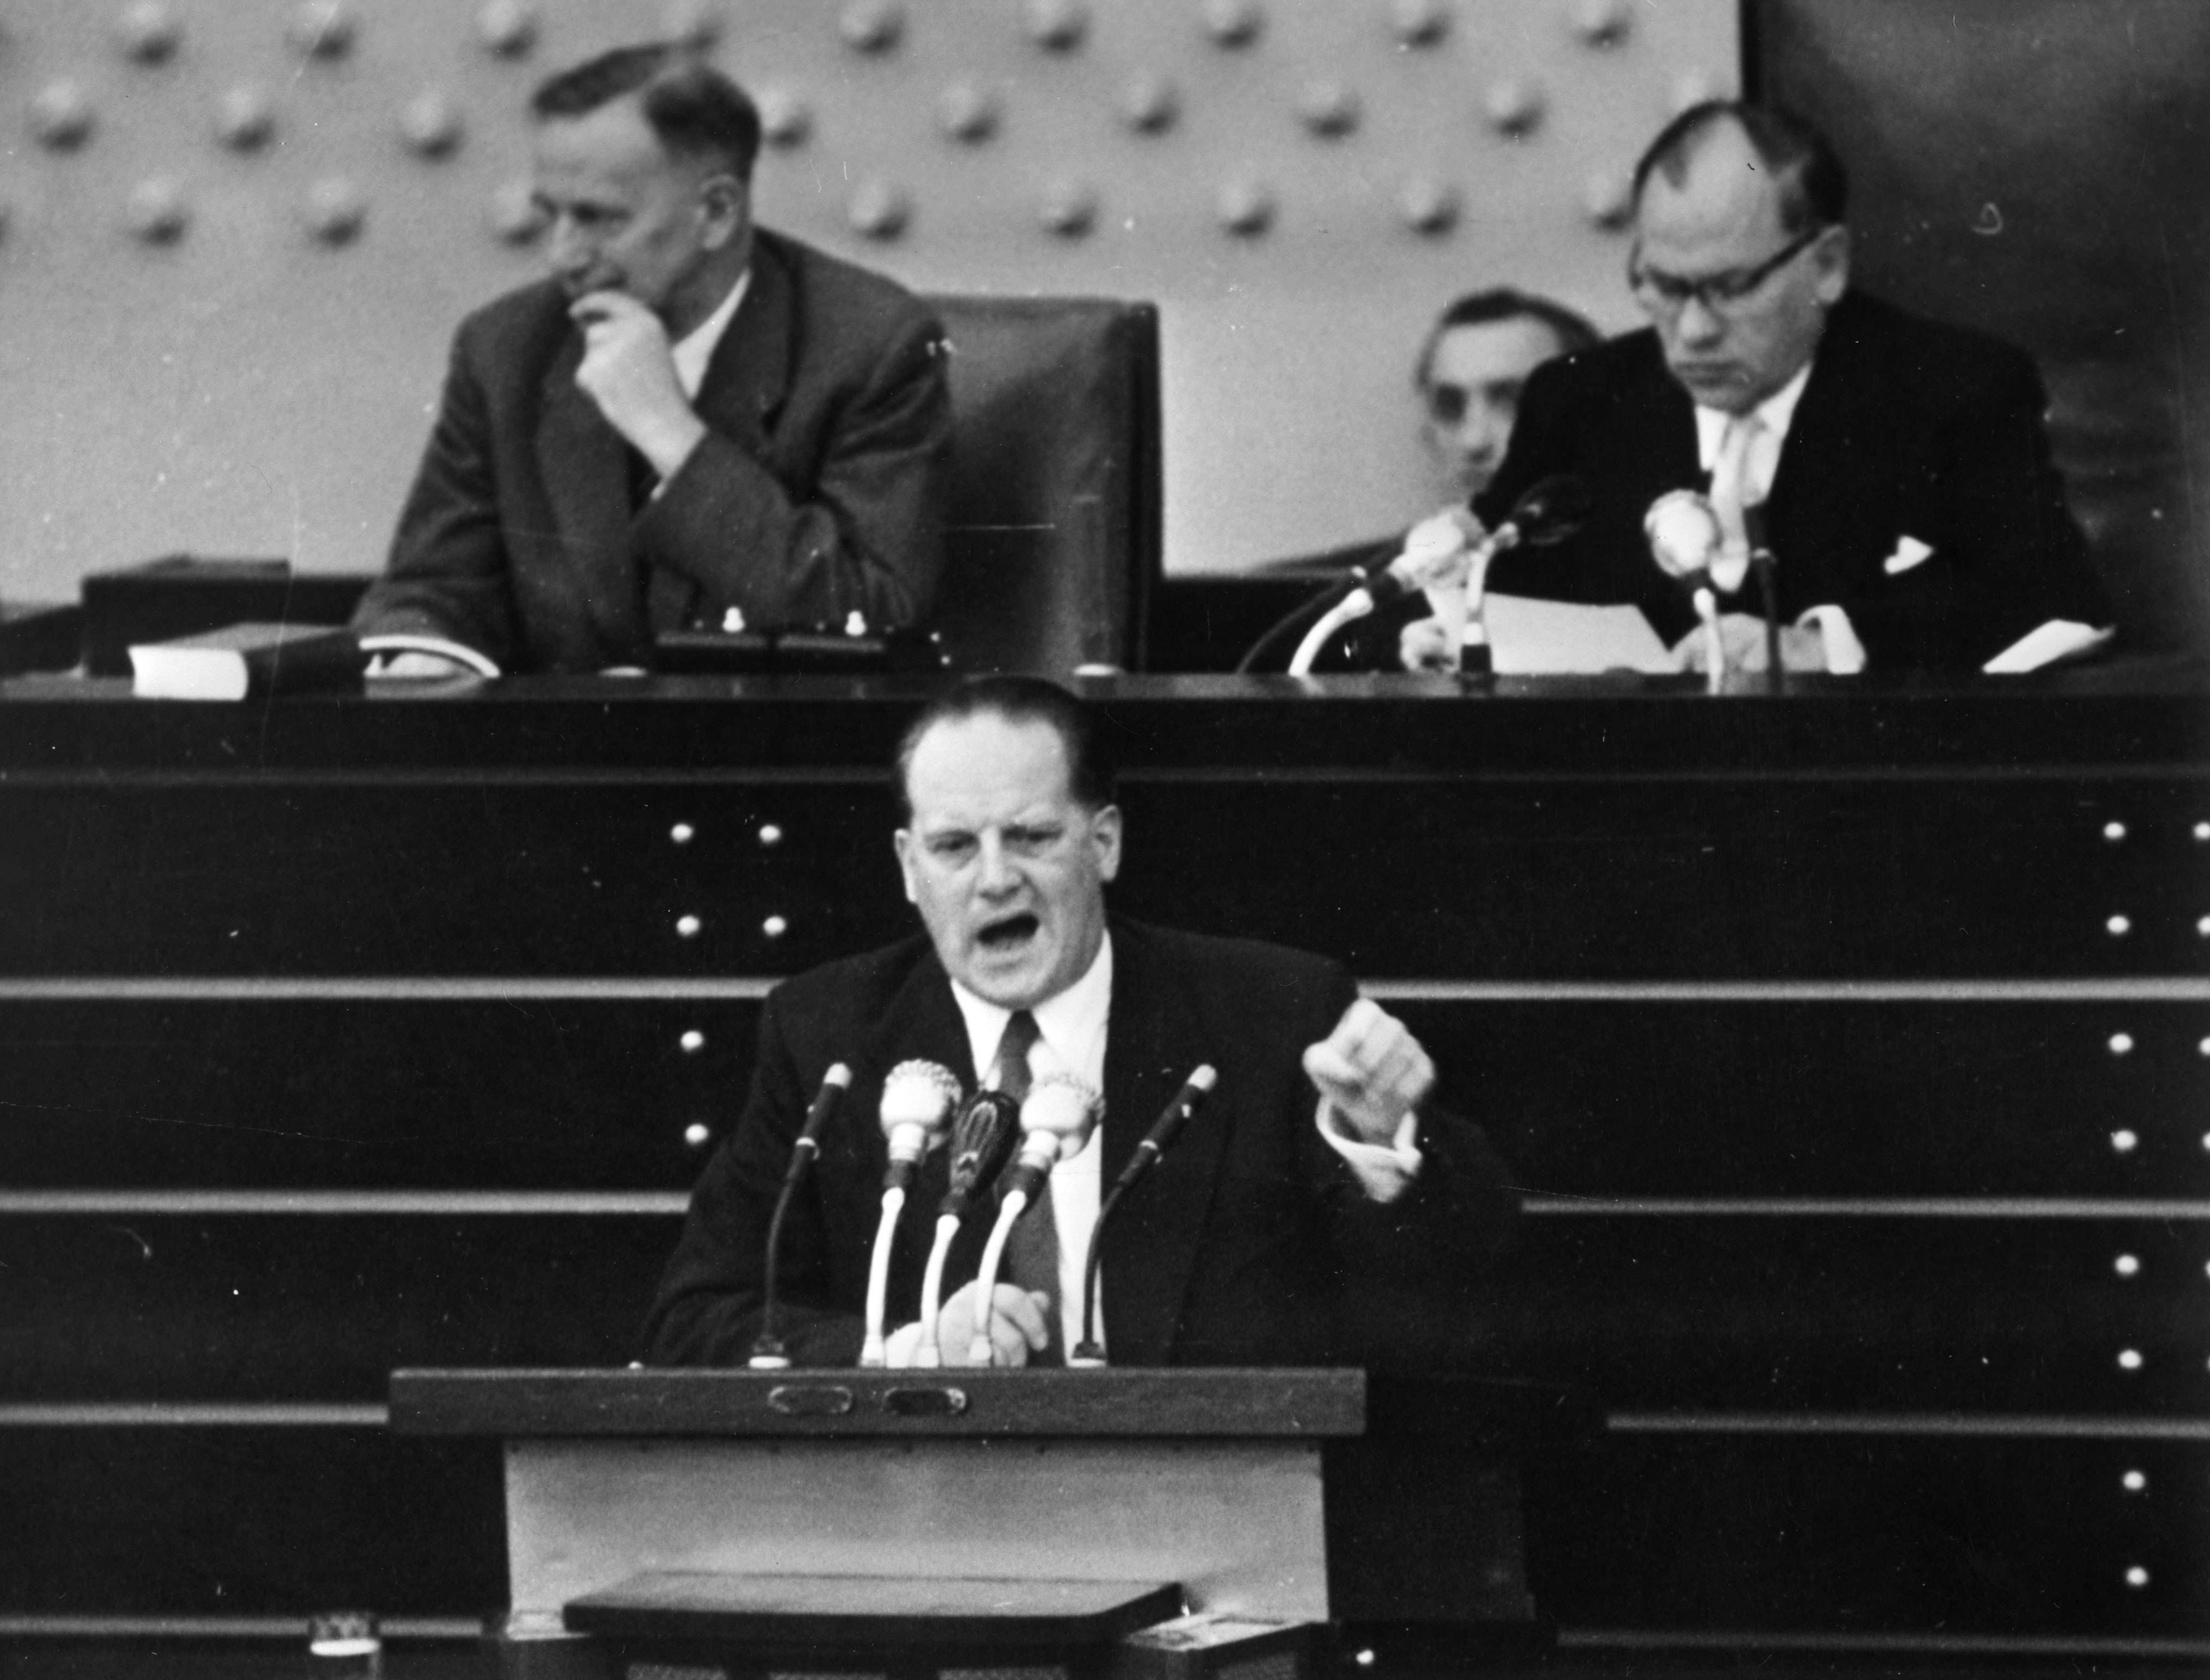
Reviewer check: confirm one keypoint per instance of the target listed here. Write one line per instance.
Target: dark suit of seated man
(1317, 1168)
(691, 417)
(1908, 495)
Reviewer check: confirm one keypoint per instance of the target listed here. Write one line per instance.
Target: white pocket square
(1909, 552)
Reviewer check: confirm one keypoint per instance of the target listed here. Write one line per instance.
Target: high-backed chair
(2034, 168)
(1053, 546)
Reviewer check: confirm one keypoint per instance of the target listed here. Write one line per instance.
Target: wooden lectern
(1389, 1508)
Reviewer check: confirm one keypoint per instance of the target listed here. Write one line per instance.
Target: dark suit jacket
(818, 491)
(1906, 428)
(1241, 1247)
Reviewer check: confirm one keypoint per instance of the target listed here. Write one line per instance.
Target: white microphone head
(918, 1098)
(1061, 1106)
(1684, 532)
(1204, 1078)
(1435, 551)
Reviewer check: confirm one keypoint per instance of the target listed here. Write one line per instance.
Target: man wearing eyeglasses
(1897, 469)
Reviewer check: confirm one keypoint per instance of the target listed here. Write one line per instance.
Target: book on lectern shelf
(247, 658)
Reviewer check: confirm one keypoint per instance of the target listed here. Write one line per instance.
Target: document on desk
(1531, 638)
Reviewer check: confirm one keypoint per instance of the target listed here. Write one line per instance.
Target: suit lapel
(1150, 1248)
(747, 379)
(584, 467)
(921, 1023)
(1819, 495)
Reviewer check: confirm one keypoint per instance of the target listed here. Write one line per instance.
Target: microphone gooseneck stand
(768, 1352)
(1089, 1353)
(918, 1097)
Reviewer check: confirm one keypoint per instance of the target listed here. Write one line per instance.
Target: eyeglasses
(1664, 294)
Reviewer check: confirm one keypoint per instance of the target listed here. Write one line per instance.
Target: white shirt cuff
(1845, 655)
(2059, 638)
(1386, 1170)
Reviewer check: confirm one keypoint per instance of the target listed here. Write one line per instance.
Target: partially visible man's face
(1007, 867)
(1473, 391)
(1723, 221)
(623, 216)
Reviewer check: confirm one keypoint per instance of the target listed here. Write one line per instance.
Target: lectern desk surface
(871, 1612)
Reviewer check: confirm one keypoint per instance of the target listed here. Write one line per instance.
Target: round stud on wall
(1328, 109)
(61, 116)
(1514, 106)
(507, 28)
(1419, 22)
(430, 125)
(1426, 205)
(148, 32)
(1234, 23)
(786, 117)
(878, 209)
(334, 211)
(155, 212)
(515, 218)
(246, 119)
(1056, 25)
(1607, 199)
(1602, 22)
(322, 29)
(695, 24)
(1069, 209)
(1150, 102)
(968, 112)
(1245, 207)
(871, 26)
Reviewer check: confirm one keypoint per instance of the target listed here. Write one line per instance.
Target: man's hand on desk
(1425, 644)
(629, 371)
(1802, 647)
(412, 666)
(1371, 1072)
(1018, 1328)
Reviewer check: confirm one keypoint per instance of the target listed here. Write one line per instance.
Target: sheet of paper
(1528, 637)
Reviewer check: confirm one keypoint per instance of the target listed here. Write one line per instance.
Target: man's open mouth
(1008, 933)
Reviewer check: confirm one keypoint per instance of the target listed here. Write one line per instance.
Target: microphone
(1552, 509)
(1056, 1121)
(1167, 1127)
(1753, 526)
(982, 1140)
(1155, 1142)
(918, 1098)
(768, 1352)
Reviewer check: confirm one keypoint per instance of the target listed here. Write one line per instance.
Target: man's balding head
(1739, 250)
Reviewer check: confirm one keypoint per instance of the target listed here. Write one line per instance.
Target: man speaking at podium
(1315, 1170)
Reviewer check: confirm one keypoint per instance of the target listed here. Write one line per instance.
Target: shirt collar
(697, 345)
(1776, 412)
(1071, 1024)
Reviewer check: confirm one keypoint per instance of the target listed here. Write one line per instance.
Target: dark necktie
(1031, 1259)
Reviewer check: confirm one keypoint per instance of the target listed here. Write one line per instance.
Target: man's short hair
(1572, 330)
(1814, 187)
(695, 110)
(1018, 699)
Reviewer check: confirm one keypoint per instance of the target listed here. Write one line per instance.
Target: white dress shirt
(696, 347)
